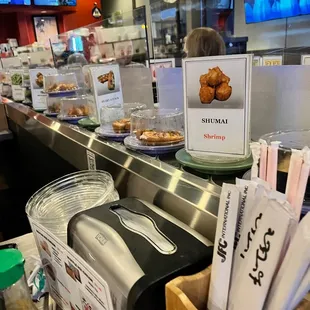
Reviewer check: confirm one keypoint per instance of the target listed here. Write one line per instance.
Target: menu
(106, 84)
(36, 84)
(18, 91)
(217, 105)
(72, 283)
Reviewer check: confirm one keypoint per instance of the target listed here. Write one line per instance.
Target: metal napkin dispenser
(137, 248)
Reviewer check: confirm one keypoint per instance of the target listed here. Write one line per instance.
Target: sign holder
(217, 95)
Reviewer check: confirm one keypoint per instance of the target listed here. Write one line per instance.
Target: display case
(60, 83)
(74, 107)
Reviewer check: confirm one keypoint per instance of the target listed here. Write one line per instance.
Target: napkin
(292, 270)
(262, 261)
(223, 247)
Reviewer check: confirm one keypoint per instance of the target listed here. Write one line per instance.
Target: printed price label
(91, 160)
(217, 105)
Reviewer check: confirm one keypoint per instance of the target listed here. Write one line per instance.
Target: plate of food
(51, 114)
(61, 88)
(153, 142)
(212, 167)
(88, 123)
(116, 131)
(70, 119)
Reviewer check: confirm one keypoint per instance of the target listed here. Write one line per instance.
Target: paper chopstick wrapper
(247, 191)
(292, 270)
(302, 290)
(302, 183)
(255, 148)
(262, 261)
(263, 159)
(272, 164)
(293, 175)
(223, 247)
(262, 182)
(247, 236)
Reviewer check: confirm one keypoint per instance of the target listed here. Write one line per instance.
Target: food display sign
(305, 59)
(73, 284)
(106, 85)
(272, 60)
(160, 64)
(36, 84)
(257, 61)
(18, 91)
(217, 105)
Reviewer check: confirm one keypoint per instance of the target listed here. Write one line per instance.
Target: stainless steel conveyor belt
(187, 197)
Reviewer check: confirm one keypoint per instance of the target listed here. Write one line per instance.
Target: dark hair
(204, 42)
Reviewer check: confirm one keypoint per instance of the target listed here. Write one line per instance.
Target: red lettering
(214, 137)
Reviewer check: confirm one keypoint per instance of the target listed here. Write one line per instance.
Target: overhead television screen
(15, 2)
(55, 2)
(262, 10)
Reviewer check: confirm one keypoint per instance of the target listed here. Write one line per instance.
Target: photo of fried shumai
(214, 85)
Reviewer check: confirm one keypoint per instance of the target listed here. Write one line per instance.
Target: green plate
(213, 168)
(88, 124)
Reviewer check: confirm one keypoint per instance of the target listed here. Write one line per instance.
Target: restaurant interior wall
(279, 33)
(17, 21)
(110, 6)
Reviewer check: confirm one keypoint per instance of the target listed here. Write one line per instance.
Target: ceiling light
(170, 1)
(43, 12)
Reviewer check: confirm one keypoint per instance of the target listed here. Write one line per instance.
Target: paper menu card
(106, 85)
(36, 85)
(18, 91)
(217, 105)
(73, 284)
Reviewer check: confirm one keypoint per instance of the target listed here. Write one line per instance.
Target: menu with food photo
(72, 283)
(106, 84)
(36, 84)
(216, 104)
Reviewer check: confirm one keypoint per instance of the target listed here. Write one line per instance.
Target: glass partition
(122, 40)
(280, 36)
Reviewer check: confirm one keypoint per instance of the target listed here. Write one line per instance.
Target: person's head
(204, 42)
